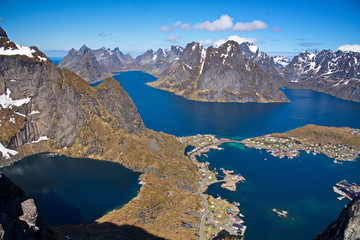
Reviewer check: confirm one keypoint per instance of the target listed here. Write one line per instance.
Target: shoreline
(223, 215)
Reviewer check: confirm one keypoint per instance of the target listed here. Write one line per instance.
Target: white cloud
(238, 39)
(251, 26)
(172, 39)
(348, 47)
(224, 23)
(206, 42)
(235, 38)
(185, 26)
(164, 29)
(176, 25)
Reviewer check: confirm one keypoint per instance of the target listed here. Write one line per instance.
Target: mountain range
(230, 72)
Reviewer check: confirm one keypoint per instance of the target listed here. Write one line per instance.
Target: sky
(277, 27)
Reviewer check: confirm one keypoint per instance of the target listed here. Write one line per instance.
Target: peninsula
(341, 144)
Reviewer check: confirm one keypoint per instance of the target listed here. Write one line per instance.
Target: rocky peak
(83, 50)
(281, 61)
(3, 33)
(177, 50)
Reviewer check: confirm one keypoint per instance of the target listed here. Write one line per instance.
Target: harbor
(346, 190)
(217, 214)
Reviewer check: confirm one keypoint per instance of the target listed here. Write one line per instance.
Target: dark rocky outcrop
(347, 226)
(19, 218)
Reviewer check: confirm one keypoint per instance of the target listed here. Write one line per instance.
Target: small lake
(73, 190)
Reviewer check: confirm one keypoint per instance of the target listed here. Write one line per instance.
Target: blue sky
(277, 27)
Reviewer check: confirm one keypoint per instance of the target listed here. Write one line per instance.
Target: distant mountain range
(231, 72)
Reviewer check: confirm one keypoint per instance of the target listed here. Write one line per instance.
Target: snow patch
(42, 58)
(33, 112)
(42, 138)
(19, 50)
(154, 57)
(7, 152)
(337, 83)
(7, 102)
(20, 114)
(202, 60)
(253, 48)
(12, 80)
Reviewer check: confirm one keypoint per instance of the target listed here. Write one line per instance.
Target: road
(203, 217)
(204, 183)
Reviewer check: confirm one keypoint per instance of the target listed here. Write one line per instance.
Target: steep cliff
(19, 215)
(347, 226)
(220, 74)
(48, 109)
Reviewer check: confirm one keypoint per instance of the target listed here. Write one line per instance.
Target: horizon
(277, 28)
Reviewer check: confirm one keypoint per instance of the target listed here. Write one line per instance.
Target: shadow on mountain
(102, 231)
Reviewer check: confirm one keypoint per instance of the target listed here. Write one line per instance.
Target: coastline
(217, 214)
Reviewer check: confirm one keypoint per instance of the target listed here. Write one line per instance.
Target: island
(340, 144)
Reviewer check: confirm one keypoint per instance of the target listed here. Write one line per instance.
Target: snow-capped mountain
(281, 61)
(327, 64)
(336, 73)
(218, 74)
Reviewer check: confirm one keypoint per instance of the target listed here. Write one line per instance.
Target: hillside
(48, 109)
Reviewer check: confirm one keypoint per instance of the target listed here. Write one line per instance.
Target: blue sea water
(303, 186)
(56, 60)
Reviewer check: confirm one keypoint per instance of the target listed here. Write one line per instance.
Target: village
(218, 214)
(291, 147)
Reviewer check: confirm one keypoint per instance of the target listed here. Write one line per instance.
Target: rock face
(336, 73)
(220, 74)
(55, 104)
(264, 61)
(347, 226)
(18, 215)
